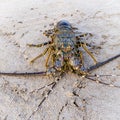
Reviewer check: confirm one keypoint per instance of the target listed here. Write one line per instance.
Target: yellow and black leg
(81, 58)
(82, 35)
(49, 32)
(42, 54)
(91, 55)
(47, 60)
(40, 45)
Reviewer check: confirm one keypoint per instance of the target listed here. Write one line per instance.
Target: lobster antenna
(23, 74)
(103, 83)
(95, 75)
(43, 73)
(100, 64)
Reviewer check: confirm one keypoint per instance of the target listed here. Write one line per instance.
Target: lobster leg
(91, 55)
(39, 45)
(45, 51)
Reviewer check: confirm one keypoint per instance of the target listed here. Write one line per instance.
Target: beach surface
(73, 97)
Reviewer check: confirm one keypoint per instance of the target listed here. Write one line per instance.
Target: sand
(73, 98)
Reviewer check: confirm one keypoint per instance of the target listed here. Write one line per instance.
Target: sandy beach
(74, 97)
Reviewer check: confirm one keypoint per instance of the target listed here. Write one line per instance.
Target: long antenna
(23, 74)
(100, 64)
(43, 73)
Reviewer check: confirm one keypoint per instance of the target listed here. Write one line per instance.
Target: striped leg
(81, 35)
(40, 45)
(49, 54)
(91, 55)
(45, 51)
